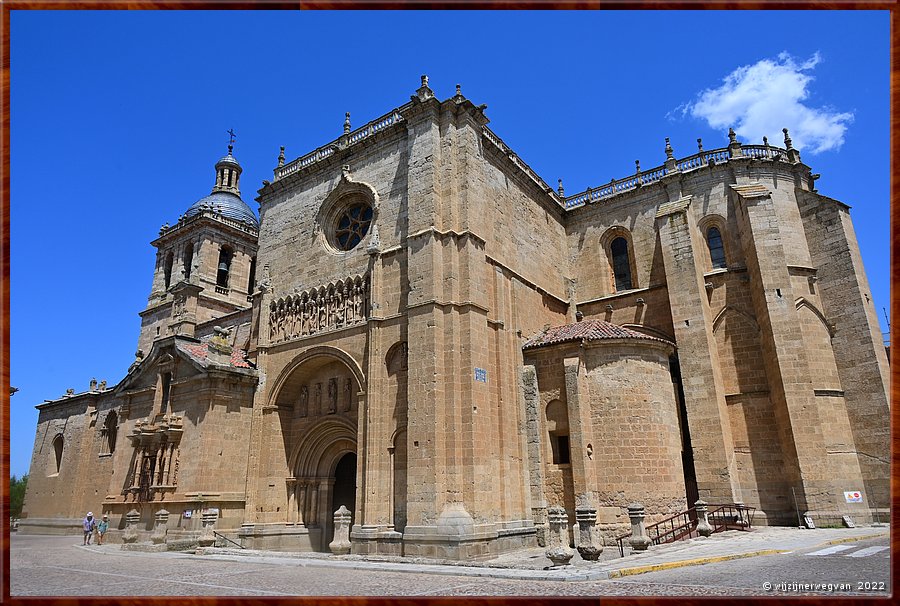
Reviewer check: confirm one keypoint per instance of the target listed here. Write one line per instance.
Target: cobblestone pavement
(58, 566)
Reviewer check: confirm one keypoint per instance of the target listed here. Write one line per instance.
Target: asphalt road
(60, 566)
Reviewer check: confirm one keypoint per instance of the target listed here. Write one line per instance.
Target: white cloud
(763, 98)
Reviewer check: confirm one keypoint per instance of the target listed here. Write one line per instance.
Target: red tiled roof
(200, 352)
(588, 330)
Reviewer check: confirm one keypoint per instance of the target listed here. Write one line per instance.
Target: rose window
(352, 225)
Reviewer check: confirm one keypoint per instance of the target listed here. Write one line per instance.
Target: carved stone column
(589, 547)
(341, 543)
(161, 530)
(132, 518)
(558, 551)
(703, 527)
(207, 538)
(639, 540)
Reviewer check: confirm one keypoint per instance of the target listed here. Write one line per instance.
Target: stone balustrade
(690, 163)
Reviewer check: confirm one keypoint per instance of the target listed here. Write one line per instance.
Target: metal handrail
(222, 536)
(683, 525)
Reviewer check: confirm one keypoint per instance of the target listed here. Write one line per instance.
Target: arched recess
(314, 352)
(396, 390)
(617, 245)
(741, 362)
(817, 334)
(718, 223)
(56, 456)
(319, 397)
(802, 302)
(717, 321)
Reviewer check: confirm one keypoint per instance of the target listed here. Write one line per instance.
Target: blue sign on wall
(480, 375)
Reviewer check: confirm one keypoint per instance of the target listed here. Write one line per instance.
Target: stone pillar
(301, 503)
(704, 395)
(820, 474)
(132, 518)
(558, 551)
(580, 433)
(292, 500)
(207, 538)
(703, 527)
(533, 433)
(589, 546)
(639, 540)
(161, 530)
(341, 543)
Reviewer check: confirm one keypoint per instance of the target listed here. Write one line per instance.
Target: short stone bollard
(132, 518)
(589, 547)
(639, 540)
(703, 527)
(341, 543)
(158, 537)
(558, 550)
(208, 520)
(741, 514)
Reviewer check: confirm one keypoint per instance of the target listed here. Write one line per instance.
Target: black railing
(683, 525)
(223, 537)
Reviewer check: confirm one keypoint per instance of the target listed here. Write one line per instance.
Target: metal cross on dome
(230, 131)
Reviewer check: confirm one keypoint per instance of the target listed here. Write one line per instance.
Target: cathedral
(418, 328)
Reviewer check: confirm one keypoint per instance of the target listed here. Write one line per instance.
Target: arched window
(188, 259)
(716, 248)
(110, 429)
(57, 454)
(621, 261)
(167, 270)
(166, 385)
(225, 255)
(558, 428)
(251, 282)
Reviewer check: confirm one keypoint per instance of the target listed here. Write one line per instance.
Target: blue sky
(118, 117)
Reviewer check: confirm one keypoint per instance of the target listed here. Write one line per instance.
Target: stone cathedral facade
(419, 328)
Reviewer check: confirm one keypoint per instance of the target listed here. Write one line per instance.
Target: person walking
(102, 527)
(88, 524)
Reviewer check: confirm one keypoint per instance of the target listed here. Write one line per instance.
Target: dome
(229, 160)
(227, 204)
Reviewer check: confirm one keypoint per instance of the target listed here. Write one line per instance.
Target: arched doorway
(318, 402)
(343, 490)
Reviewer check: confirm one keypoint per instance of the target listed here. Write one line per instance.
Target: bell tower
(205, 263)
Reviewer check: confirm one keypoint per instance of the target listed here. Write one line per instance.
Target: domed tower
(205, 263)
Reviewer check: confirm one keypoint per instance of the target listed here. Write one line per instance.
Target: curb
(624, 572)
(852, 539)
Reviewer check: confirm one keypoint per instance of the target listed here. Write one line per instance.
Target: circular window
(352, 225)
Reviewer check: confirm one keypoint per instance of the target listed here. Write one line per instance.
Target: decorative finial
(231, 132)
(458, 90)
(765, 141)
(787, 139)
(732, 138)
(700, 144)
(347, 123)
(281, 157)
(637, 166)
(560, 189)
(670, 155)
(424, 80)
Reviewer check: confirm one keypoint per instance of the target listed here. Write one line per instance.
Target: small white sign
(853, 496)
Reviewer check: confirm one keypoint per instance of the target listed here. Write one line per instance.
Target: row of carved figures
(302, 407)
(340, 304)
